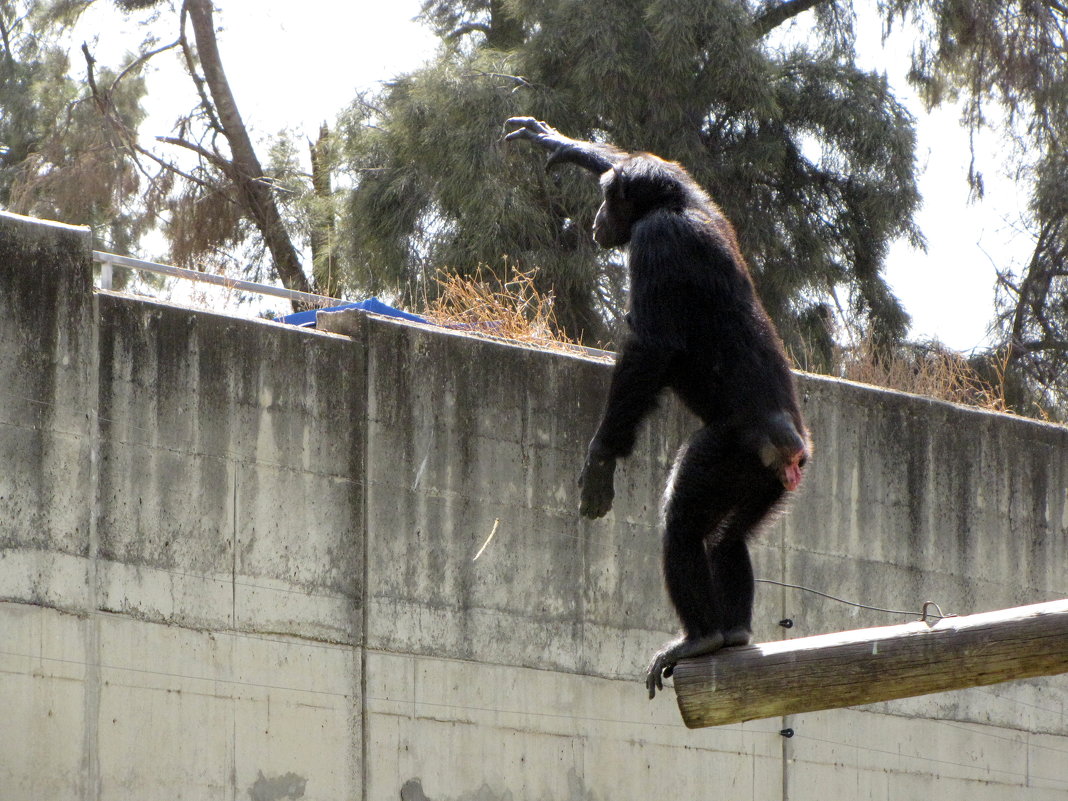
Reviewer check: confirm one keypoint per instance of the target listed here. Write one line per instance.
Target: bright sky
(295, 66)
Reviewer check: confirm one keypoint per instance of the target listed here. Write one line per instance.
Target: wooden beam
(869, 665)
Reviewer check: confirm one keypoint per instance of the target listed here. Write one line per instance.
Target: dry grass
(514, 310)
(930, 369)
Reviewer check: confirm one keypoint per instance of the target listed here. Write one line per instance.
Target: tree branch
(469, 27)
(257, 198)
(1060, 8)
(191, 68)
(8, 56)
(90, 74)
(204, 153)
(127, 139)
(141, 59)
(775, 16)
(830, 671)
(518, 80)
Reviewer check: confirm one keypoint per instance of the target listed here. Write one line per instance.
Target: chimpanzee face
(615, 217)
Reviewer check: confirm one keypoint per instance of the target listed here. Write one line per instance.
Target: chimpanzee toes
(663, 665)
(739, 635)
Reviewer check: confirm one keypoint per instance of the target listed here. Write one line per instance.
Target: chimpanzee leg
(732, 574)
(700, 496)
(698, 501)
(728, 554)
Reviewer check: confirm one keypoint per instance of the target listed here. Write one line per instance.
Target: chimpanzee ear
(617, 173)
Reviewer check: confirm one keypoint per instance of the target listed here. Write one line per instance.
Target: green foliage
(58, 160)
(811, 157)
(1006, 63)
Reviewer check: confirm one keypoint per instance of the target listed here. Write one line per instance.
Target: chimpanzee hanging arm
(695, 325)
(646, 354)
(640, 374)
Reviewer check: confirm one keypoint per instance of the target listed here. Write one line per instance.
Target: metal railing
(110, 260)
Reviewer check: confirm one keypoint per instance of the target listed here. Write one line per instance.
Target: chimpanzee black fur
(697, 326)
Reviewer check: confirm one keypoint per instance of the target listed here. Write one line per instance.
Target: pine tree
(811, 157)
(1006, 64)
(57, 158)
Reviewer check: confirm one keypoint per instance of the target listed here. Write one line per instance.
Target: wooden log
(829, 671)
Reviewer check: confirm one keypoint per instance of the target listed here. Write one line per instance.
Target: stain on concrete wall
(278, 788)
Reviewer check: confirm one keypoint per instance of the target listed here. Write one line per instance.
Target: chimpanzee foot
(739, 635)
(666, 658)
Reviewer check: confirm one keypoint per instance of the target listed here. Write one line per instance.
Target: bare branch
(1060, 8)
(191, 67)
(127, 139)
(1047, 345)
(90, 65)
(137, 62)
(7, 42)
(518, 80)
(214, 158)
(777, 15)
(169, 167)
(470, 27)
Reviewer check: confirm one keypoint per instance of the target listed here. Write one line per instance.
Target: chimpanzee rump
(697, 326)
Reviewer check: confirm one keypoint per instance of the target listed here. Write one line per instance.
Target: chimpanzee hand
(596, 483)
(538, 132)
(563, 149)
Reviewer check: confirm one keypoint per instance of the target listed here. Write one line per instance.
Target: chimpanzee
(697, 326)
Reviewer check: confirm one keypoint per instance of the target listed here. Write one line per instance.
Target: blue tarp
(306, 319)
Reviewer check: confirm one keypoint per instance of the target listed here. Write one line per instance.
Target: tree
(56, 158)
(811, 157)
(205, 184)
(1007, 65)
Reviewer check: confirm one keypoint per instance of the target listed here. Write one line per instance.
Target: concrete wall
(236, 561)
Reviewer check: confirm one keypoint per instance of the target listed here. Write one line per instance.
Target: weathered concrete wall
(236, 560)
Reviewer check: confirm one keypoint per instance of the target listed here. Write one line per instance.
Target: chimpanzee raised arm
(563, 149)
(697, 326)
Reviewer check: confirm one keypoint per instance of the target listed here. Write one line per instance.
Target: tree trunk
(324, 268)
(256, 194)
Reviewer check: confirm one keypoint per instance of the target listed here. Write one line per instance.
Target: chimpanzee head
(641, 184)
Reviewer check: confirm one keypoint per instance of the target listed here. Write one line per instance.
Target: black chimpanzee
(695, 325)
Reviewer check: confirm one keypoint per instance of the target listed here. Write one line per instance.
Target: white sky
(273, 51)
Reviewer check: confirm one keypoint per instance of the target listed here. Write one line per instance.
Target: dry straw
(514, 309)
(931, 370)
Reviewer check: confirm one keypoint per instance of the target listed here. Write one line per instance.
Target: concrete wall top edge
(887, 395)
(38, 222)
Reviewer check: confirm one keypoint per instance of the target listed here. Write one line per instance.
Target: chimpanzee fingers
(541, 134)
(658, 671)
(596, 501)
(529, 127)
(653, 682)
(598, 492)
